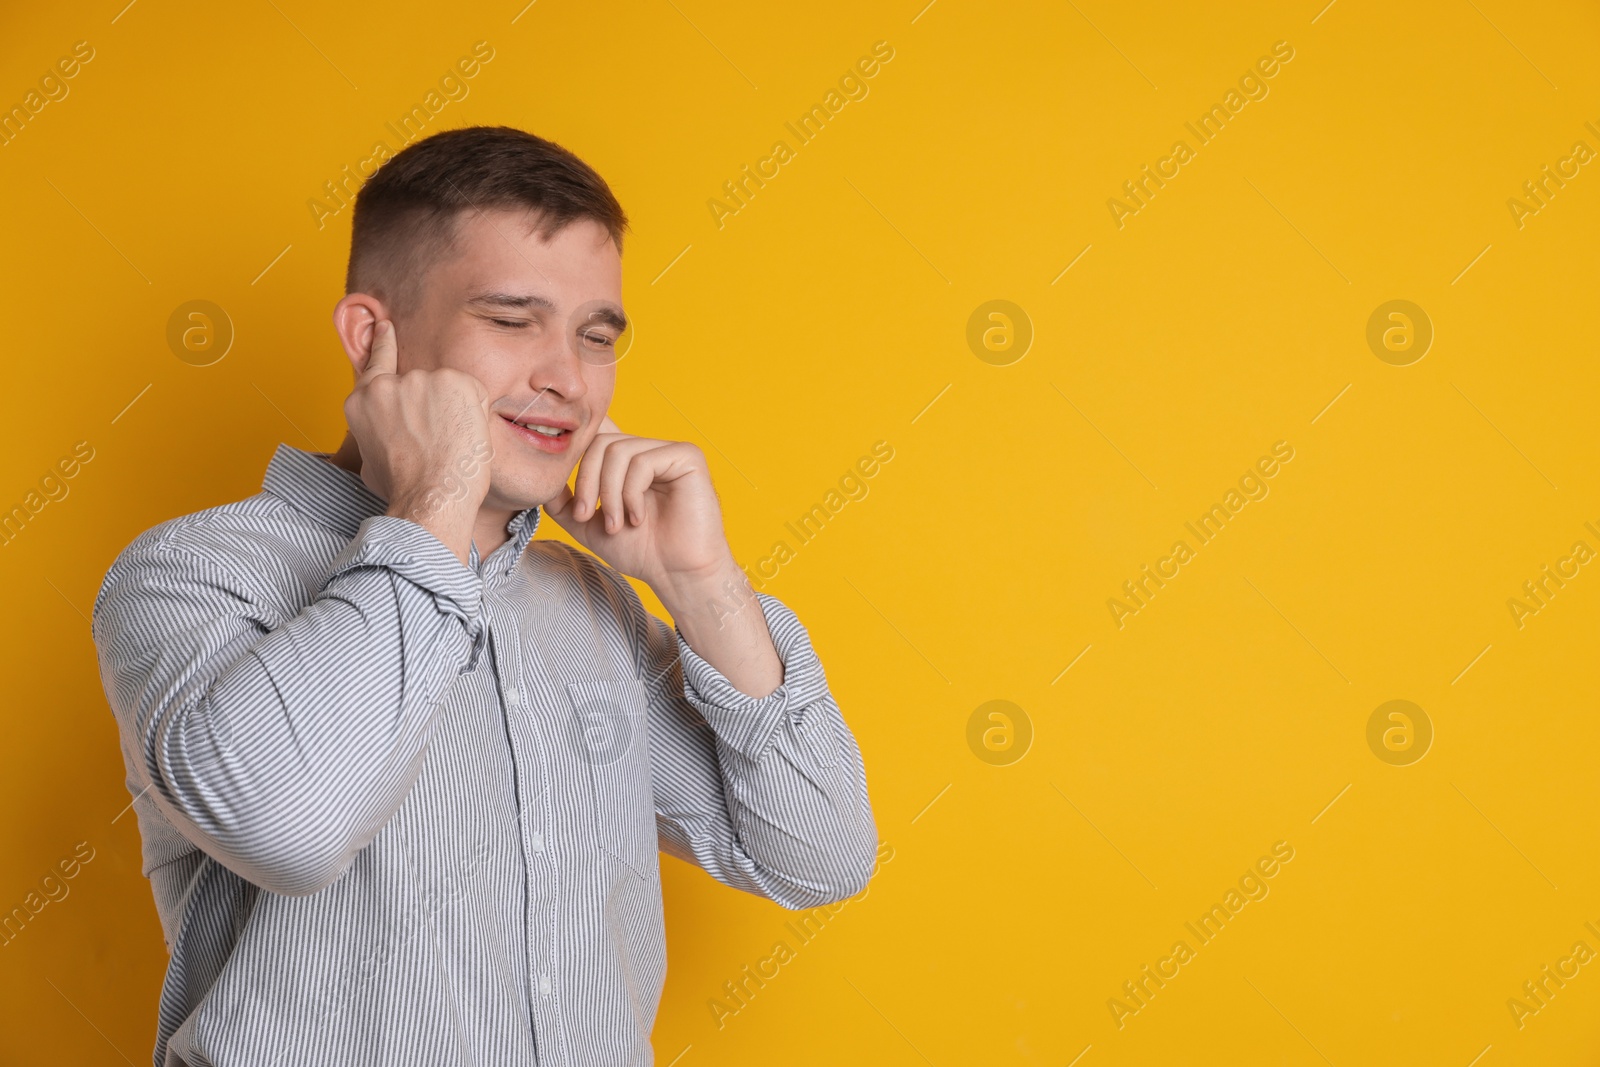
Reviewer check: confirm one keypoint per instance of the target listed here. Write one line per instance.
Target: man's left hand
(647, 508)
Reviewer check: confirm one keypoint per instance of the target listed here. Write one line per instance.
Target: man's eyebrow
(512, 300)
(610, 316)
(607, 314)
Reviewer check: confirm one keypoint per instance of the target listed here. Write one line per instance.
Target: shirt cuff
(745, 723)
(416, 555)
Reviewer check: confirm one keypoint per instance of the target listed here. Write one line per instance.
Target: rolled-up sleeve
(277, 740)
(769, 794)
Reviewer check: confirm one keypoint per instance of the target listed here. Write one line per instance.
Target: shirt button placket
(541, 878)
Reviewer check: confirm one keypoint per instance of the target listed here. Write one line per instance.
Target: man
(402, 773)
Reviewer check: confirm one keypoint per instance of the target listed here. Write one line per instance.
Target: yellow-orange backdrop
(1176, 332)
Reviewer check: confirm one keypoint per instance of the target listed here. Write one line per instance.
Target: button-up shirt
(400, 810)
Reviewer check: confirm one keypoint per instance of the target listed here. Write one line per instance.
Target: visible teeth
(547, 431)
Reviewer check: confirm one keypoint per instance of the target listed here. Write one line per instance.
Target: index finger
(381, 356)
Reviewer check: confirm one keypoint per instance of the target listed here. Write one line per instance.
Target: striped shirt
(397, 810)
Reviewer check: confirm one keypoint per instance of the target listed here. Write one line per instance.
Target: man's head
(496, 253)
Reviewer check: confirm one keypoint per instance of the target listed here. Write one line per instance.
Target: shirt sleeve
(277, 742)
(767, 795)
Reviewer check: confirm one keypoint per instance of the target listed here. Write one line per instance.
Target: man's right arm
(281, 747)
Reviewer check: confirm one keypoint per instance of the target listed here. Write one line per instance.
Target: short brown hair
(405, 214)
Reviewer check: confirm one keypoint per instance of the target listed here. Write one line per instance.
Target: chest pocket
(609, 729)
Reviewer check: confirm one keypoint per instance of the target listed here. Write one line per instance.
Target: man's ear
(353, 319)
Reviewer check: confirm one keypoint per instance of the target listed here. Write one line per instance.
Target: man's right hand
(424, 439)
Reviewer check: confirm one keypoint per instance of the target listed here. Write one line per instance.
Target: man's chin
(523, 496)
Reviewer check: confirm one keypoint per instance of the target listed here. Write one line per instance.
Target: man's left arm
(789, 808)
(757, 778)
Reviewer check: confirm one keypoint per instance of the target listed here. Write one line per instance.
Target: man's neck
(489, 529)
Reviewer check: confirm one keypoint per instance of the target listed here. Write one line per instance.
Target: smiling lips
(546, 435)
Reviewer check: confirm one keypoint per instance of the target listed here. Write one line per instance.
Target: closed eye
(512, 324)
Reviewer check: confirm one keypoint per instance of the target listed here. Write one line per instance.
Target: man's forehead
(499, 262)
(523, 231)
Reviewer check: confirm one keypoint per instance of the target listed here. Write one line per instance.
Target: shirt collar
(341, 501)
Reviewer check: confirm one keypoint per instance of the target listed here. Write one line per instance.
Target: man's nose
(557, 368)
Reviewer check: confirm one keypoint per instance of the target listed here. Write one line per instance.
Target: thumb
(560, 509)
(560, 503)
(381, 356)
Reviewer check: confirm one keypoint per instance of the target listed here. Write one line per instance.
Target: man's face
(536, 322)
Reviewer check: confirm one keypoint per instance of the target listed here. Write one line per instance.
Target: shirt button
(512, 697)
(544, 985)
(538, 841)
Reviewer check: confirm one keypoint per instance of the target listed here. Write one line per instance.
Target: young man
(402, 773)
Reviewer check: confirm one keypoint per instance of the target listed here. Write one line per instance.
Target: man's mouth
(545, 436)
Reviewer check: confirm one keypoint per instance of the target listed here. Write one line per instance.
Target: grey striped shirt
(397, 810)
